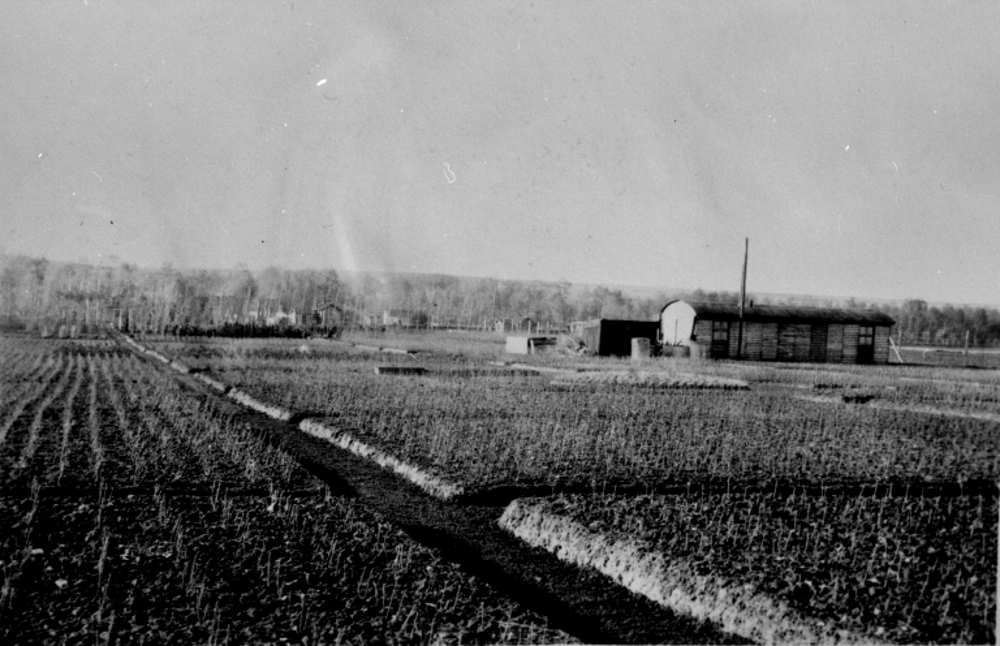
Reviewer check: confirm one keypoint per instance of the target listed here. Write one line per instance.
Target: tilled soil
(132, 510)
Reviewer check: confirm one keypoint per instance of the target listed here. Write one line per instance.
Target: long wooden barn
(777, 333)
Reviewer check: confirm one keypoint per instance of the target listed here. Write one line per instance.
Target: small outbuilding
(611, 337)
(404, 318)
(777, 333)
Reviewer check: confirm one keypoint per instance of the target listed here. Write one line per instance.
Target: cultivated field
(863, 498)
(485, 426)
(780, 502)
(133, 509)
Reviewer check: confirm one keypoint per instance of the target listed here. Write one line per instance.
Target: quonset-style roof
(786, 314)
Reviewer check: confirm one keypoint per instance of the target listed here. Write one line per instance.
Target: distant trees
(45, 294)
(732, 298)
(917, 323)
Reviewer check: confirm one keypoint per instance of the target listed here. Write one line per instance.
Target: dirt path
(583, 603)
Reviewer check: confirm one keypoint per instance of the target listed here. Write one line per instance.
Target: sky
(856, 144)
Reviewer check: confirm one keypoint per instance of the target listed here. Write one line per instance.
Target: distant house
(283, 318)
(394, 318)
(333, 316)
(777, 333)
(503, 325)
(404, 318)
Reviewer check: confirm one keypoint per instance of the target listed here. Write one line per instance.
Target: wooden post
(965, 353)
(743, 300)
(895, 349)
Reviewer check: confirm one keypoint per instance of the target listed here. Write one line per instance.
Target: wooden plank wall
(703, 332)
(769, 341)
(850, 354)
(882, 343)
(834, 343)
(793, 341)
(817, 342)
(753, 341)
(786, 342)
(803, 340)
(734, 338)
(591, 335)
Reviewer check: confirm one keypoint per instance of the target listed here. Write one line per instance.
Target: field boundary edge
(430, 483)
(738, 610)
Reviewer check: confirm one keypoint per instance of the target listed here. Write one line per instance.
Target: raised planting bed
(432, 483)
(647, 379)
(790, 567)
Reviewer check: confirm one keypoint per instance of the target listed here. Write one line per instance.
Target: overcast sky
(857, 144)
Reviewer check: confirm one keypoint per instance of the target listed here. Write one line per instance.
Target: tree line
(47, 296)
(43, 294)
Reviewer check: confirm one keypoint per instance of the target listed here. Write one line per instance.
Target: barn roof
(786, 314)
(612, 322)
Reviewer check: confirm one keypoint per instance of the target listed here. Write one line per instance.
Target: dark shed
(778, 333)
(610, 337)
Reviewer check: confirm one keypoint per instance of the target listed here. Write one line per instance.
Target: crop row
(501, 429)
(132, 510)
(908, 571)
(239, 569)
(98, 416)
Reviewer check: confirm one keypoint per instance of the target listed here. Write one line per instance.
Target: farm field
(485, 426)
(134, 510)
(899, 499)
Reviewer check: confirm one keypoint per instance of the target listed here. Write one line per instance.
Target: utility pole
(743, 299)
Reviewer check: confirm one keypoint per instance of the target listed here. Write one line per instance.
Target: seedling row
(131, 510)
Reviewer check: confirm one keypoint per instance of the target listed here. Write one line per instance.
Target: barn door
(817, 343)
(866, 344)
(720, 340)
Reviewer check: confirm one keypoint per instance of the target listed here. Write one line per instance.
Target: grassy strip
(215, 384)
(649, 379)
(737, 609)
(526, 366)
(430, 483)
(272, 411)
